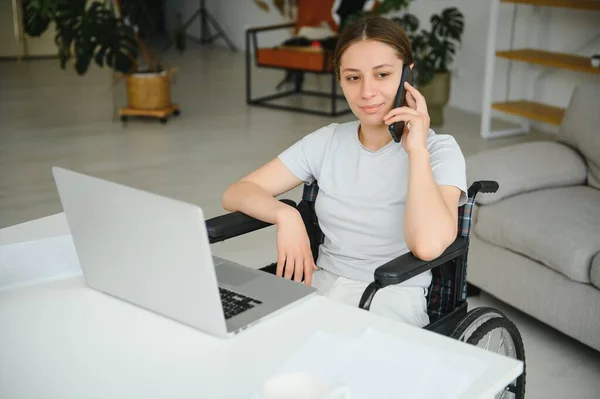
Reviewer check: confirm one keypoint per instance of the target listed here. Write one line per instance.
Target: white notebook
(377, 365)
(31, 262)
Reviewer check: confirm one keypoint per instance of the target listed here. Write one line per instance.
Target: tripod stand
(205, 37)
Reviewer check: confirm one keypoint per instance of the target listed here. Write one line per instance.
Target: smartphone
(397, 128)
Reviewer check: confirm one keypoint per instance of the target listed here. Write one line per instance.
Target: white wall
(571, 31)
(10, 46)
(233, 16)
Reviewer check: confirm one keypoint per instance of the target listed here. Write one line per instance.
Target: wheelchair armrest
(230, 225)
(270, 27)
(407, 266)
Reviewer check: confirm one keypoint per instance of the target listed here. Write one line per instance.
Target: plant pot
(149, 90)
(437, 95)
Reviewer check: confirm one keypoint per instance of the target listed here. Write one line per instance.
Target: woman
(377, 199)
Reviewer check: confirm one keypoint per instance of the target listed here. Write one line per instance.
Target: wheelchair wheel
(472, 321)
(491, 330)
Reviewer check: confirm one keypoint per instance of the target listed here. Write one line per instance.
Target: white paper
(377, 365)
(34, 261)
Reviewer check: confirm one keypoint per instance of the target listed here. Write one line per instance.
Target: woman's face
(369, 76)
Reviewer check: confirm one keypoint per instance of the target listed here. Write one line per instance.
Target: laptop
(154, 252)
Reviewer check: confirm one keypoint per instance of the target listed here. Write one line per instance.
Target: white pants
(406, 304)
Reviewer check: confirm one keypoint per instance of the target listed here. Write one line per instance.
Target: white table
(59, 339)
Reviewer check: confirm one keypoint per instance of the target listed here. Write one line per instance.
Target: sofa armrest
(407, 266)
(526, 167)
(230, 225)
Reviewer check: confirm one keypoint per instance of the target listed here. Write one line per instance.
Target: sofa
(536, 241)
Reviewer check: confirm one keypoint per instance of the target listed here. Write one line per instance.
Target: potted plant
(434, 51)
(106, 34)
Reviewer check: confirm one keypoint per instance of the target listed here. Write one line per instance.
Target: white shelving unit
(527, 110)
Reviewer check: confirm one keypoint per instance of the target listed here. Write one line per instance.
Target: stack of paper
(376, 365)
(29, 262)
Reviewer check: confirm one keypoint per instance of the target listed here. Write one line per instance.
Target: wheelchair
(447, 295)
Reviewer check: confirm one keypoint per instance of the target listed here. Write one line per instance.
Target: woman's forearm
(253, 200)
(429, 226)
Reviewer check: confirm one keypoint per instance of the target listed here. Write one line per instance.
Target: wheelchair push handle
(483, 186)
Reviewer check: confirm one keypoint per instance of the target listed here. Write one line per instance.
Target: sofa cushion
(558, 227)
(580, 128)
(525, 167)
(595, 271)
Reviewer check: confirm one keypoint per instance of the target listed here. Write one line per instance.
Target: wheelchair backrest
(443, 293)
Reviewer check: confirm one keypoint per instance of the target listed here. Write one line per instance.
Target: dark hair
(373, 27)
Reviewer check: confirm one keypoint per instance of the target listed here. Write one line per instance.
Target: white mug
(301, 386)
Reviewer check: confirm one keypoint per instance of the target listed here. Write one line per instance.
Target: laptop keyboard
(234, 303)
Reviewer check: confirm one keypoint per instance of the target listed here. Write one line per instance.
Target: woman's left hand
(416, 118)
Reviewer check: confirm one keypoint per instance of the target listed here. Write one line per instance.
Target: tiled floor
(50, 117)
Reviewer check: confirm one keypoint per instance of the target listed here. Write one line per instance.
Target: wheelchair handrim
(506, 347)
(506, 342)
(477, 323)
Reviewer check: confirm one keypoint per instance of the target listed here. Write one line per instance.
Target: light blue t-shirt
(362, 195)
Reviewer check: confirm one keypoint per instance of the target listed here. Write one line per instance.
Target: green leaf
(450, 23)
(419, 42)
(424, 71)
(93, 34)
(68, 17)
(386, 6)
(109, 40)
(37, 15)
(441, 55)
(100, 56)
(118, 46)
(408, 22)
(136, 14)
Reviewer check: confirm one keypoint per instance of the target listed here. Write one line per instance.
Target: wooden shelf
(532, 110)
(576, 4)
(550, 59)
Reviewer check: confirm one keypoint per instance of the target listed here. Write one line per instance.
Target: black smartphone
(397, 128)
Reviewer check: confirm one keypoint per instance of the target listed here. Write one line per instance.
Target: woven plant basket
(149, 90)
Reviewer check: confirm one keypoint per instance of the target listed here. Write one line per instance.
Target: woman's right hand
(294, 256)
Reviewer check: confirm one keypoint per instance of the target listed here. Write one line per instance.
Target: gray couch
(536, 242)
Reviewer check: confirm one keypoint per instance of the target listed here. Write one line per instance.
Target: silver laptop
(154, 252)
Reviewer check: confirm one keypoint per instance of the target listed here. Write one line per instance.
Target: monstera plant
(106, 33)
(434, 51)
(86, 32)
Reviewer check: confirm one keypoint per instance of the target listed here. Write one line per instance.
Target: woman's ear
(412, 65)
